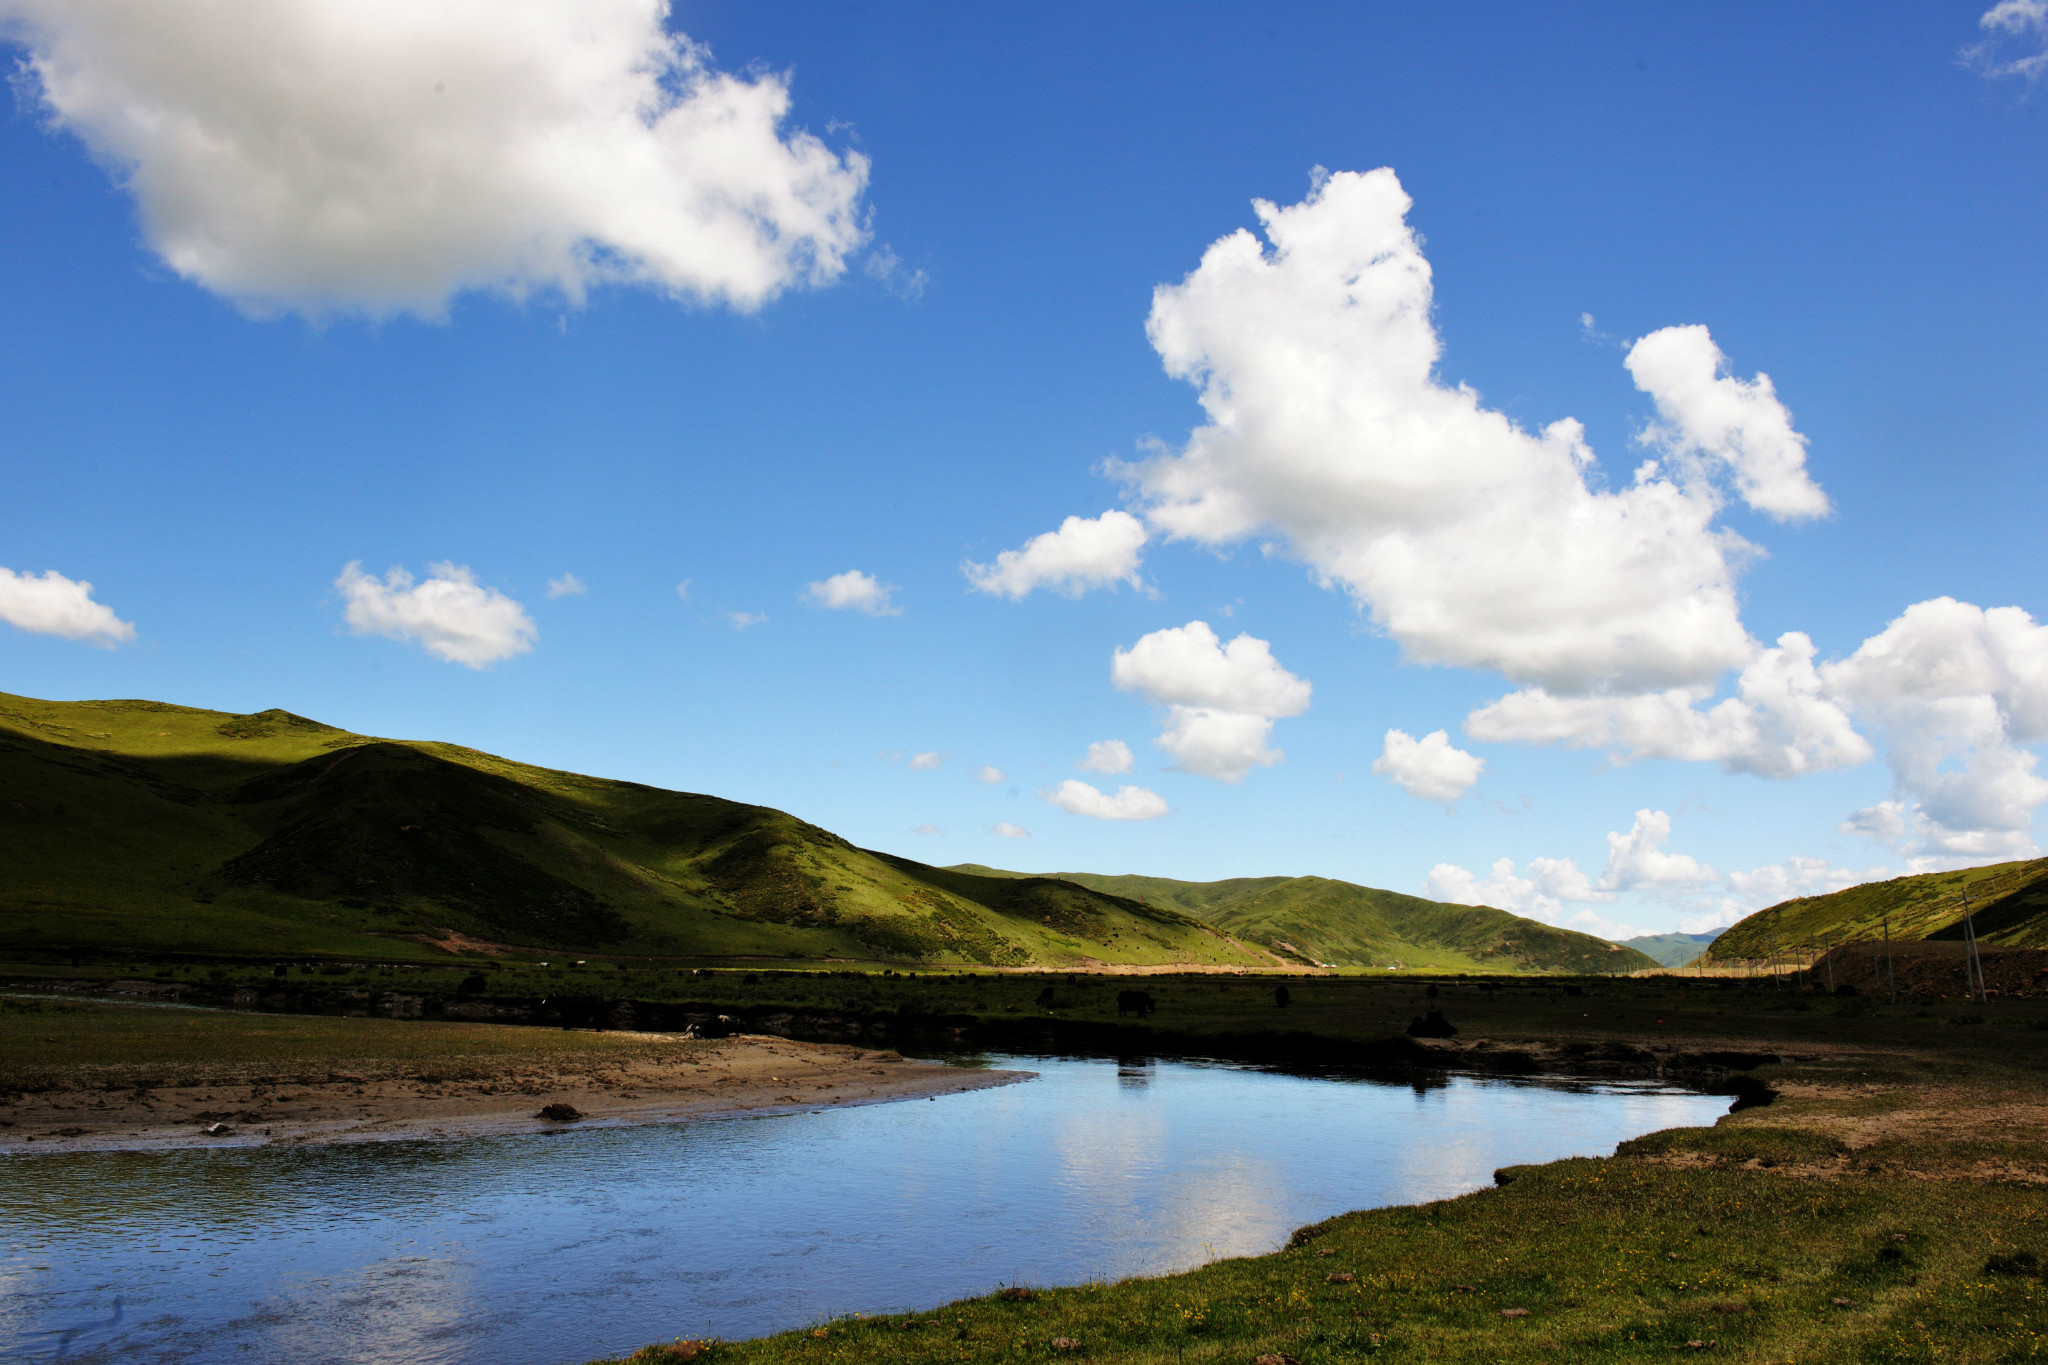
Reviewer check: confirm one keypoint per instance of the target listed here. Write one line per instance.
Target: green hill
(1670, 950)
(2008, 902)
(1315, 919)
(139, 828)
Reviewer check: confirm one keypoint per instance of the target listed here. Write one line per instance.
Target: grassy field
(50, 1041)
(1189, 1011)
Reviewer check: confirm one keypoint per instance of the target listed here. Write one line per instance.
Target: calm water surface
(546, 1249)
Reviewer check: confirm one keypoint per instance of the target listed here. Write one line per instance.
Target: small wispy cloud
(568, 585)
(925, 762)
(2015, 41)
(854, 591)
(683, 588)
(928, 829)
(887, 269)
(742, 620)
(990, 774)
(1008, 830)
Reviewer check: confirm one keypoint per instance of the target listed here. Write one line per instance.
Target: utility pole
(1891, 976)
(1828, 956)
(1973, 962)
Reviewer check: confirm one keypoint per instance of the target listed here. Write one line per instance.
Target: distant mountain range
(1317, 920)
(1671, 950)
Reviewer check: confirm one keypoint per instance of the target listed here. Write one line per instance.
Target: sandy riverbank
(666, 1080)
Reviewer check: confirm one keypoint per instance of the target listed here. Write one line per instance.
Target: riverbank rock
(560, 1113)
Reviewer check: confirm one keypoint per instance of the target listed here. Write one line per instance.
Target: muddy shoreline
(672, 1080)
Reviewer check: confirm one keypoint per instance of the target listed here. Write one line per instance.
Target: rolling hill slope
(2008, 902)
(139, 827)
(1316, 919)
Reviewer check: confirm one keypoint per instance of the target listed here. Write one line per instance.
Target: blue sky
(275, 305)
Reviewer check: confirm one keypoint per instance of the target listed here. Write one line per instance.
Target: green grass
(1228, 1012)
(1613, 1260)
(1320, 920)
(142, 827)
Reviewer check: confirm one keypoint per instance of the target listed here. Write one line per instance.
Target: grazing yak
(1134, 1002)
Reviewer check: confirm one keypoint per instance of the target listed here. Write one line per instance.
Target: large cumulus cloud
(379, 156)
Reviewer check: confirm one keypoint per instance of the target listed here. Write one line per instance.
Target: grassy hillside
(2008, 901)
(144, 828)
(1315, 919)
(1670, 950)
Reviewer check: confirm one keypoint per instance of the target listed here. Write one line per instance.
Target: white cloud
(1766, 886)
(683, 588)
(887, 269)
(1957, 690)
(1129, 803)
(744, 620)
(1782, 723)
(1008, 830)
(1469, 540)
(926, 762)
(55, 605)
(1080, 555)
(928, 829)
(2009, 26)
(1637, 860)
(1108, 757)
(1550, 885)
(1221, 700)
(1777, 882)
(333, 156)
(450, 615)
(568, 585)
(1430, 768)
(990, 774)
(1717, 418)
(854, 591)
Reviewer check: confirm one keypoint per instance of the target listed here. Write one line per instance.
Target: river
(547, 1248)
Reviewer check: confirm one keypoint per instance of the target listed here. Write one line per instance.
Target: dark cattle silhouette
(1432, 1025)
(1139, 1003)
(1281, 997)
